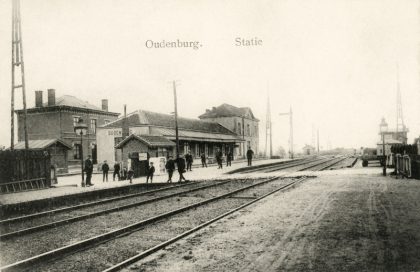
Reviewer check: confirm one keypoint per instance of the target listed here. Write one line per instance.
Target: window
(186, 148)
(75, 120)
(93, 125)
(248, 130)
(239, 128)
(77, 151)
(255, 131)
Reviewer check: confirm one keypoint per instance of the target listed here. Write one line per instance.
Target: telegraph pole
(290, 113)
(268, 130)
(317, 140)
(176, 121)
(17, 60)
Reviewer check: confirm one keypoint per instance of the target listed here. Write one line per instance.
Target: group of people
(124, 174)
(219, 159)
(182, 164)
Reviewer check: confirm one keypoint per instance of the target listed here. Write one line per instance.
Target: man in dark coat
(219, 159)
(105, 169)
(229, 159)
(170, 167)
(88, 170)
(249, 155)
(150, 173)
(117, 169)
(180, 162)
(189, 159)
(203, 160)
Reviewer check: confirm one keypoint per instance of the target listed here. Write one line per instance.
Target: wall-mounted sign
(142, 156)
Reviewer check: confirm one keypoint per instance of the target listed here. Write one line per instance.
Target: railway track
(312, 164)
(232, 199)
(280, 166)
(323, 165)
(23, 246)
(36, 222)
(49, 212)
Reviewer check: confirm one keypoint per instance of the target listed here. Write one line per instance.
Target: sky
(333, 61)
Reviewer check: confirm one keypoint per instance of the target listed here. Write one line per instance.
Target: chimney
(214, 108)
(105, 104)
(207, 110)
(38, 99)
(51, 97)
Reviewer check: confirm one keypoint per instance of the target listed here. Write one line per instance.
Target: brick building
(239, 120)
(56, 119)
(195, 136)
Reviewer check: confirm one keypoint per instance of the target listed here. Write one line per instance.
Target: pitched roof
(150, 140)
(68, 101)
(72, 101)
(198, 135)
(142, 117)
(41, 144)
(226, 110)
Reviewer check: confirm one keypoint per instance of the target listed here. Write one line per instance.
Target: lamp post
(383, 127)
(81, 129)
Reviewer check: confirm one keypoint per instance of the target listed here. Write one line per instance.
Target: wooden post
(176, 121)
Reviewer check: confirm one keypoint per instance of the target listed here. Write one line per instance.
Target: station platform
(68, 185)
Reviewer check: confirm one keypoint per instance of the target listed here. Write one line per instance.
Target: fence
(407, 166)
(24, 170)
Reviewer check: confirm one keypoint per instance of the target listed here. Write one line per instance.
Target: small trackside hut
(138, 149)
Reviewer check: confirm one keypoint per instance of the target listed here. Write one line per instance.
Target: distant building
(195, 136)
(239, 120)
(390, 137)
(56, 119)
(308, 150)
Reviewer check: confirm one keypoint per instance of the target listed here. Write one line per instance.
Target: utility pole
(176, 121)
(318, 139)
(400, 127)
(290, 113)
(268, 131)
(17, 60)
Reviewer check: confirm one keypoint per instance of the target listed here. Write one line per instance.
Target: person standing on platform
(150, 173)
(219, 159)
(180, 162)
(189, 159)
(88, 170)
(105, 169)
(203, 160)
(249, 155)
(117, 169)
(229, 159)
(170, 168)
(130, 174)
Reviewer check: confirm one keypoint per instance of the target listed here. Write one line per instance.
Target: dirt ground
(345, 220)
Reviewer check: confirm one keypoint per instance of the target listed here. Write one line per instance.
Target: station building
(239, 120)
(308, 150)
(149, 132)
(55, 120)
(389, 137)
